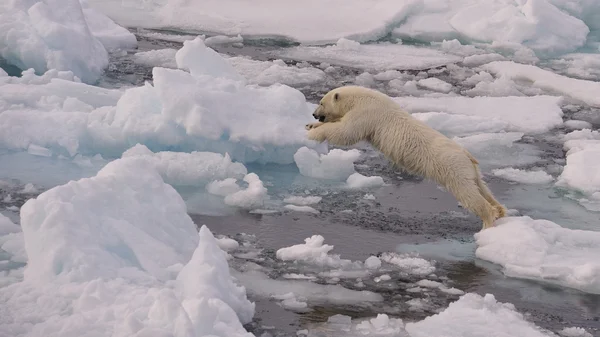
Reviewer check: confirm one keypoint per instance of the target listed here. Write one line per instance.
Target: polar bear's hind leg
(471, 198)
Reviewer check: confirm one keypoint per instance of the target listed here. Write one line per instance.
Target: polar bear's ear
(336, 96)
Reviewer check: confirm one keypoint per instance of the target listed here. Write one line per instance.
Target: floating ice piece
(409, 263)
(58, 34)
(357, 20)
(475, 315)
(378, 57)
(132, 259)
(252, 196)
(271, 72)
(141, 236)
(260, 284)
(574, 124)
(435, 84)
(583, 164)
(313, 251)
(227, 243)
(544, 251)
(440, 286)
(523, 176)
(222, 39)
(574, 332)
(164, 58)
(188, 169)
(201, 60)
(359, 181)
(494, 150)
(583, 90)
(302, 201)
(112, 36)
(305, 209)
(548, 27)
(223, 187)
(372, 262)
(532, 115)
(337, 164)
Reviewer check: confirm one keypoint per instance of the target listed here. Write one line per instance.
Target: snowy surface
(475, 315)
(581, 172)
(542, 250)
(547, 27)
(523, 176)
(472, 315)
(133, 261)
(369, 57)
(337, 164)
(581, 90)
(530, 115)
(181, 110)
(59, 34)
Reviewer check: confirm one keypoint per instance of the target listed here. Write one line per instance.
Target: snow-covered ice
(337, 164)
(313, 251)
(523, 176)
(472, 315)
(547, 27)
(180, 111)
(531, 115)
(581, 90)
(541, 250)
(359, 181)
(59, 34)
(133, 260)
(581, 172)
(369, 56)
(475, 315)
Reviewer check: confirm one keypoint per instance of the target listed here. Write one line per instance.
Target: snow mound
(523, 176)
(475, 315)
(582, 90)
(337, 164)
(59, 34)
(542, 250)
(351, 54)
(116, 254)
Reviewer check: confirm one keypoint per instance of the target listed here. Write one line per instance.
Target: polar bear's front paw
(313, 125)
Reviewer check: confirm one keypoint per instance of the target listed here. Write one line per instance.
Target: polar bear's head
(337, 102)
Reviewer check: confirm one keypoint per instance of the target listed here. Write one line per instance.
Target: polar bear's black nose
(315, 116)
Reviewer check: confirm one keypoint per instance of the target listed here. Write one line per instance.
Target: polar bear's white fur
(351, 114)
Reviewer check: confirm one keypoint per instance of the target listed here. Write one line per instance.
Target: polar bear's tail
(485, 191)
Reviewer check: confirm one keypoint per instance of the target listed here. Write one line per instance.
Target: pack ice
(117, 255)
(544, 26)
(182, 111)
(59, 34)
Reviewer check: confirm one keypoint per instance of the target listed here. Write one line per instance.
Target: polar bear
(351, 114)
